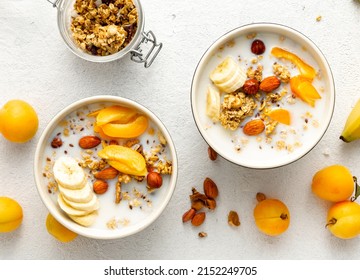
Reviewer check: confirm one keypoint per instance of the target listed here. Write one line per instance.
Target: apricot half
(126, 130)
(343, 219)
(11, 214)
(333, 183)
(280, 115)
(305, 69)
(124, 159)
(272, 217)
(303, 88)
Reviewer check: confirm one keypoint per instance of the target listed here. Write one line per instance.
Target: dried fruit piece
(100, 186)
(198, 219)
(154, 180)
(210, 188)
(212, 154)
(233, 219)
(211, 203)
(258, 47)
(188, 215)
(302, 88)
(197, 204)
(89, 142)
(116, 114)
(107, 173)
(254, 127)
(251, 86)
(280, 115)
(305, 69)
(128, 130)
(124, 159)
(269, 84)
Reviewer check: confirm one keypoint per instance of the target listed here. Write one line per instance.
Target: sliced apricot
(128, 130)
(305, 69)
(115, 113)
(94, 113)
(303, 88)
(280, 115)
(124, 159)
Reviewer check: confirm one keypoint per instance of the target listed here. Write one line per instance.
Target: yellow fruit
(272, 217)
(57, 230)
(124, 159)
(18, 121)
(11, 214)
(343, 219)
(333, 183)
(280, 115)
(126, 130)
(116, 114)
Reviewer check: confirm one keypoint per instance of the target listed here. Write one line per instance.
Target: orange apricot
(127, 130)
(302, 88)
(280, 115)
(115, 113)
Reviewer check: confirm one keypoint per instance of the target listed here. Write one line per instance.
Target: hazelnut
(154, 180)
(251, 86)
(257, 47)
(56, 142)
(100, 186)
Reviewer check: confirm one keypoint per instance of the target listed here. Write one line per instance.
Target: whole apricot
(11, 214)
(272, 217)
(18, 121)
(343, 219)
(58, 231)
(333, 183)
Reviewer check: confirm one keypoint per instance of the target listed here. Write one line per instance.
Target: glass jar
(65, 13)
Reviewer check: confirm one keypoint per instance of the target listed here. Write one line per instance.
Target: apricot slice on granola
(127, 130)
(116, 114)
(303, 88)
(305, 69)
(280, 115)
(124, 159)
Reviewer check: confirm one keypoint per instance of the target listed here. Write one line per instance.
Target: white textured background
(37, 67)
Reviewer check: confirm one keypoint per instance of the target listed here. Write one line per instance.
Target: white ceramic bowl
(253, 152)
(130, 221)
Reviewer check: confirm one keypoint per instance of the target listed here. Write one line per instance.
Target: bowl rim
(243, 29)
(38, 172)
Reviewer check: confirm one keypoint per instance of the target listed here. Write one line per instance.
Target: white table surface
(37, 67)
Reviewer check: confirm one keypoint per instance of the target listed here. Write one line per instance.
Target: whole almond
(269, 84)
(107, 173)
(89, 142)
(210, 188)
(212, 154)
(100, 186)
(188, 215)
(198, 219)
(254, 127)
(233, 219)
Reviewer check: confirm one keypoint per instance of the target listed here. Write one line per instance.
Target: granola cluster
(106, 28)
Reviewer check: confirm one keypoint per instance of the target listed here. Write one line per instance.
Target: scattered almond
(198, 219)
(107, 173)
(269, 84)
(210, 188)
(212, 154)
(188, 215)
(89, 142)
(254, 127)
(100, 186)
(233, 219)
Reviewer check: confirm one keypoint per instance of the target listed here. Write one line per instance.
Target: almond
(100, 186)
(233, 219)
(89, 142)
(107, 173)
(210, 188)
(269, 84)
(254, 127)
(188, 215)
(198, 219)
(212, 154)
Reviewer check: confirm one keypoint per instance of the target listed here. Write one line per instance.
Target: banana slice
(228, 75)
(213, 103)
(70, 210)
(69, 174)
(92, 205)
(224, 71)
(80, 196)
(86, 220)
(234, 83)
